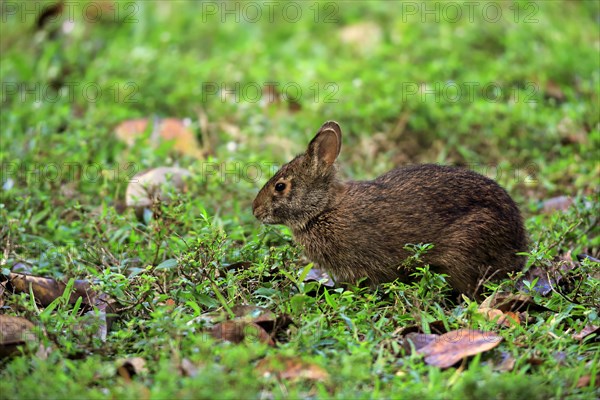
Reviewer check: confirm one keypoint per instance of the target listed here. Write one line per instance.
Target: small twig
(139, 301)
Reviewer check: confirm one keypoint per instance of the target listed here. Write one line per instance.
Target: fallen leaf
(490, 313)
(240, 331)
(533, 360)
(571, 132)
(129, 131)
(317, 275)
(556, 275)
(130, 367)
(453, 346)
(585, 332)
(170, 303)
(418, 340)
(276, 326)
(560, 357)
(184, 139)
(501, 318)
(363, 36)
(15, 332)
(167, 129)
(101, 11)
(290, 367)
(553, 90)
(46, 290)
(566, 262)
(586, 381)
(21, 268)
(188, 368)
(543, 283)
(507, 362)
(511, 318)
(560, 203)
(252, 313)
(92, 323)
(156, 184)
(511, 302)
(263, 317)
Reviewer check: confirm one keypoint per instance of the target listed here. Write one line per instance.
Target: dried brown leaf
(511, 319)
(586, 381)
(272, 97)
(585, 332)
(317, 275)
(533, 360)
(501, 318)
(506, 363)
(95, 322)
(571, 131)
(167, 129)
(130, 367)
(154, 185)
(553, 90)
(263, 317)
(544, 281)
(188, 368)
(46, 290)
(560, 203)
(511, 302)
(15, 332)
(453, 346)
(289, 367)
(277, 325)
(240, 331)
(129, 131)
(252, 313)
(418, 340)
(363, 36)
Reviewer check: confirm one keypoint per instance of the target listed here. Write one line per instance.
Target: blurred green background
(482, 84)
(510, 89)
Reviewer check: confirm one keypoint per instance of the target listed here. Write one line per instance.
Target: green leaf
(167, 264)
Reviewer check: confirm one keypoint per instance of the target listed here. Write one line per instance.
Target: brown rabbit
(359, 229)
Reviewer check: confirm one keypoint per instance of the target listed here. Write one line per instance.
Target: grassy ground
(510, 89)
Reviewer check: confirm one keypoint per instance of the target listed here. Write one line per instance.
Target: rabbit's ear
(326, 145)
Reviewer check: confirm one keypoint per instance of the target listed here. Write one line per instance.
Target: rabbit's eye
(280, 187)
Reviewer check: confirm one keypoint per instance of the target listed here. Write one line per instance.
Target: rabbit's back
(474, 225)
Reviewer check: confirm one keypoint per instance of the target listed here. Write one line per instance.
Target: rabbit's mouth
(267, 220)
(265, 217)
(262, 215)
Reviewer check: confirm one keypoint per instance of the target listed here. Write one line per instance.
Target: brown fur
(359, 229)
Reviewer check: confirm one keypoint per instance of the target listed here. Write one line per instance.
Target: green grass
(63, 172)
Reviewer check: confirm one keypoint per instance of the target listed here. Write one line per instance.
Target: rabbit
(360, 229)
